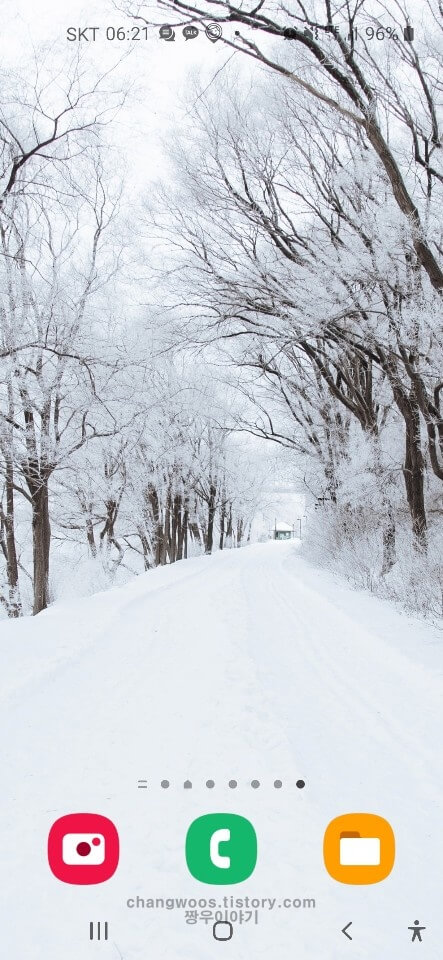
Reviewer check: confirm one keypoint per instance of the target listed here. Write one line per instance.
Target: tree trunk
(388, 515)
(229, 531)
(240, 531)
(14, 607)
(182, 534)
(413, 473)
(185, 533)
(195, 532)
(389, 545)
(14, 602)
(222, 524)
(413, 470)
(41, 541)
(211, 517)
(145, 547)
(90, 536)
(152, 496)
(166, 537)
(176, 529)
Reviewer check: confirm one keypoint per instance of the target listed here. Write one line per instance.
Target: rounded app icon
(359, 848)
(221, 848)
(83, 848)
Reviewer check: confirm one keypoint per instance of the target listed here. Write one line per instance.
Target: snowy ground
(249, 664)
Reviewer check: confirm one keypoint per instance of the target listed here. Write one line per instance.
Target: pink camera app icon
(83, 848)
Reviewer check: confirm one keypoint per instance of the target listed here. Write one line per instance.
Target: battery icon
(408, 33)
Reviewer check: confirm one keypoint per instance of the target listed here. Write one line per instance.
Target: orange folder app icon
(359, 848)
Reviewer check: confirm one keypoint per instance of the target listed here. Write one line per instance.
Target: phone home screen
(221, 465)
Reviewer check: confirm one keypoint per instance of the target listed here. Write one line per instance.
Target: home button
(222, 930)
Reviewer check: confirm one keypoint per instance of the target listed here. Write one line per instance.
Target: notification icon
(83, 848)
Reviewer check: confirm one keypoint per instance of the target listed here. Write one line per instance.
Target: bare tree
(363, 90)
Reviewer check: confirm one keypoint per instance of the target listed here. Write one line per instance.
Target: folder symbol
(358, 851)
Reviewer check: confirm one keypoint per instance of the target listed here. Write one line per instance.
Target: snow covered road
(247, 665)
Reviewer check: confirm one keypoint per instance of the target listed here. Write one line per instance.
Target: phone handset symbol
(218, 837)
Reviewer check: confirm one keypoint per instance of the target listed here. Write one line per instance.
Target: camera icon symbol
(83, 848)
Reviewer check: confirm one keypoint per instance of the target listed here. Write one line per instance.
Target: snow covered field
(250, 664)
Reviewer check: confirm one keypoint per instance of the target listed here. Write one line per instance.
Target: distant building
(282, 531)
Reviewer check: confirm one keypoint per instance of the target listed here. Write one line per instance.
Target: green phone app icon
(221, 848)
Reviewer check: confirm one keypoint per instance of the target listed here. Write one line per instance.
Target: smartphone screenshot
(221, 466)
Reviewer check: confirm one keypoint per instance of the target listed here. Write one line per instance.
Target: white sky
(159, 69)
